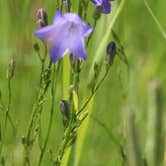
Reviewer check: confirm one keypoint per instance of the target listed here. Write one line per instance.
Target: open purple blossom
(66, 34)
(105, 4)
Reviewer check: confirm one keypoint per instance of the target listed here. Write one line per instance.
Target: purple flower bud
(41, 18)
(106, 5)
(111, 52)
(64, 108)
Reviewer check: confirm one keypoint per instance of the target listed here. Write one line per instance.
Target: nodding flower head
(111, 52)
(64, 108)
(104, 4)
(66, 34)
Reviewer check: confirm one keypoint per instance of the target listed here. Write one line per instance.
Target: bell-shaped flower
(105, 4)
(66, 34)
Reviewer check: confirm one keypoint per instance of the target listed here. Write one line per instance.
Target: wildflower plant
(77, 48)
(65, 36)
(65, 42)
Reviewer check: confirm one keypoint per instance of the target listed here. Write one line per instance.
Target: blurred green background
(146, 51)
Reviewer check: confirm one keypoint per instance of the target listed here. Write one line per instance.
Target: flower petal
(51, 30)
(72, 17)
(78, 49)
(58, 17)
(44, 33)
(59, 42)
(97, 2)
(74, 40)
(87, 30)
(57, 51)
(106, 7)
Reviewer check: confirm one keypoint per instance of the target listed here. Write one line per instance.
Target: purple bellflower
(66, 34)
(105, 4)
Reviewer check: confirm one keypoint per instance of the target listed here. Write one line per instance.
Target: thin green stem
(2, 108)
(161, 29)
(86, 3)
(35, 107)
(68, 5)
(12, 124)
(89, 38)
(43, 86)
(93, 93)
(57, 5)
(6, 114)
(61, 6)
(54, 85)
(63, 146)
(76, 73)
(8, 105)
(110, 134)
(80, 8)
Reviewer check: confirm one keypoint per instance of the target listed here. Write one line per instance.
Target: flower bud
(72, 60)
(111, 52)
(97, 12)
(64, 108)
(11, 68)
(40, 23)
(36, 47)
(41, 18)
(75, 63)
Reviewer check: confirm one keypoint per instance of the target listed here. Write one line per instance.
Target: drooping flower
(66, 34)
(105, 4)
(111, 51)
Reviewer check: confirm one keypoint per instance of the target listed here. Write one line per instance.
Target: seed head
(11, 68)
(41, 18)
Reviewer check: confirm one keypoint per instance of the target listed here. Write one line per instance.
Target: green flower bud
(11, 68)
(97, 12)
